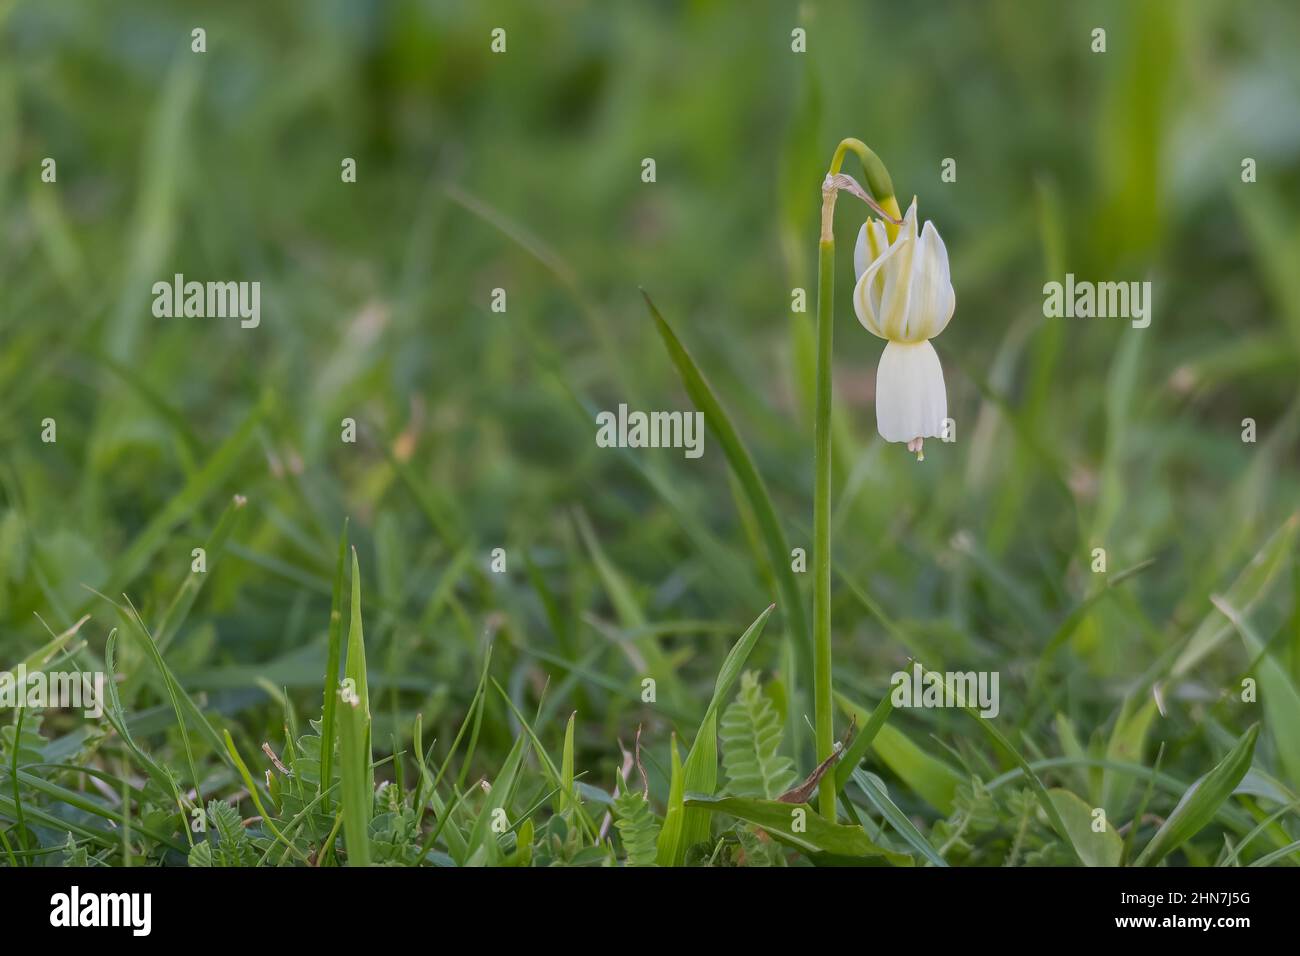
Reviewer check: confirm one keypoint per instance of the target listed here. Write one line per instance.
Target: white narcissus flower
(904, 295)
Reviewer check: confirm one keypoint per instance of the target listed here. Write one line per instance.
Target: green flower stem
(882, 188)
(823, 715)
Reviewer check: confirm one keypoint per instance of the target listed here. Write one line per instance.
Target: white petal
(867, 293)
(861, 254)
(911, 401)
(908, 228)
(931, 302)
(872, 241)
(896, 290)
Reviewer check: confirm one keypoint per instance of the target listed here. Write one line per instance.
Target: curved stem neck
(878, 183)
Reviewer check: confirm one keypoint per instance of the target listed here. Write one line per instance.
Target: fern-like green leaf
(224, 819)
(228, 844)
(637, 826)
(751, 743)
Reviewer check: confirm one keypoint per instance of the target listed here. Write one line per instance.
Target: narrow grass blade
(857, 748)
(482, 844)
(333, 657)
(874, 790)
(1263, 825)
(1127, 742)
(1277, 692)
(36, 660)
(472, 716)
(115, 714)
(553, 773)
(670, 833)
(742, 465)
(1136, 822)
(1201, 801)
(176, 693)
(188, 592)
(933, 780)
(1251, 584)
(564, 796)
(358, 792)
(1279, 854)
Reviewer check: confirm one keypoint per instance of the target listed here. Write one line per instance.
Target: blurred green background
(523, 171)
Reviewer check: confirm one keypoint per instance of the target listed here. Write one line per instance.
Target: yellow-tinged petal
(878, 284)
(896, 294)
(871, 243)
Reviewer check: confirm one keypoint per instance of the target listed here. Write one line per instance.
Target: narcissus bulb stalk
(904, 295)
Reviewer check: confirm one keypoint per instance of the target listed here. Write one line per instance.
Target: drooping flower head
(904, 295)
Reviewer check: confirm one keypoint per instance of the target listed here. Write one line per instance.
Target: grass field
(472, 636)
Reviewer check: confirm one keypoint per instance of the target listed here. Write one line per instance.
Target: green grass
(497, 713)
